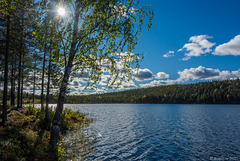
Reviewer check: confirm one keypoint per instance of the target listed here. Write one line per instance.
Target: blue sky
(175, 22)
(190, 41)
(201, 37)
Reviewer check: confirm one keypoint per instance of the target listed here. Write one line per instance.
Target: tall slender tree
(22, 78)
(5, 90)
(21, 52)
(49, 77)
(34, 78)
(7, 9)
(43, 73)
(13, 72)
(97, 36)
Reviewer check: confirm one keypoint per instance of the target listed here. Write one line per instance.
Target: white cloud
(99, 91)
(229, 75)
(77, 93)
(198, 46)
(76, 84)
(124, 85)
(161, 75)
(230, 48)
(197, 73)
(169, 54)
(202, 73)
(157, 83)
(143, 75)
(103, 80)
(84, 75)
(122, 11)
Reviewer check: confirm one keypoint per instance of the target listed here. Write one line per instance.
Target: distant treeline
(216, 92)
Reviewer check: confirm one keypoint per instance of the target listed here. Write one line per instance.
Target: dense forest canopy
(216, 92)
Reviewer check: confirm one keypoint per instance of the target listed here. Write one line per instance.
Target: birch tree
(98, 35)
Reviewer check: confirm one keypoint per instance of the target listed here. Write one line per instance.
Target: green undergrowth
(26, 134)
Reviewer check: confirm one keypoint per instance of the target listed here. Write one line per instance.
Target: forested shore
(216, 92)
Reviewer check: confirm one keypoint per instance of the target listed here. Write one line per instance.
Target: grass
(26, 134)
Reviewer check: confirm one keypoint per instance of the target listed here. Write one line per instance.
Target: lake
(162, 132)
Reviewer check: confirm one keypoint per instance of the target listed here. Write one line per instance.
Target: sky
(190, 41)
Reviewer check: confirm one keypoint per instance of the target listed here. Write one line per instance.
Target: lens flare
(61, 11)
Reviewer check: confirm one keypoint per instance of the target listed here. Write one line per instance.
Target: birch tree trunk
(58, 114)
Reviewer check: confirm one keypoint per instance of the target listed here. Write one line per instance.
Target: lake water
(162, 132)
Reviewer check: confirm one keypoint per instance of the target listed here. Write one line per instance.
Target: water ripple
(163, 132)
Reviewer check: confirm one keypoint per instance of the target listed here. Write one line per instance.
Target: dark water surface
(163, 132)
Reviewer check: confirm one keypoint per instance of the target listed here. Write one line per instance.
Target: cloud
(103, 80)
(161, 75)
(84, 75)
(87, 91)
(230, 48)
(169, 54)
(119, 59)
(198, 73)
(198, 46)
(99, 91)
(124, 85)
(76, 84)
(143, 74)
(157, 83)
(122, 11)
(77, 93)
(229, 75)
(202, 73)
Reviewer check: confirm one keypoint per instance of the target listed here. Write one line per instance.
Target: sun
(61, 11)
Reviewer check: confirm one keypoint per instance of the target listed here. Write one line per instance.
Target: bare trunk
(48, 88)
(34, 83)
(12, 86)
(14, 83)
(19, 98)
(58, 114)
(21, 105)
(19, 79)
(43, 71)
(49, 79)
(4, 116)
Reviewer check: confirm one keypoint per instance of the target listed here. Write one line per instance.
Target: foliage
(216, 92)
(69, 118)
(96, 37)
(26, 137)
